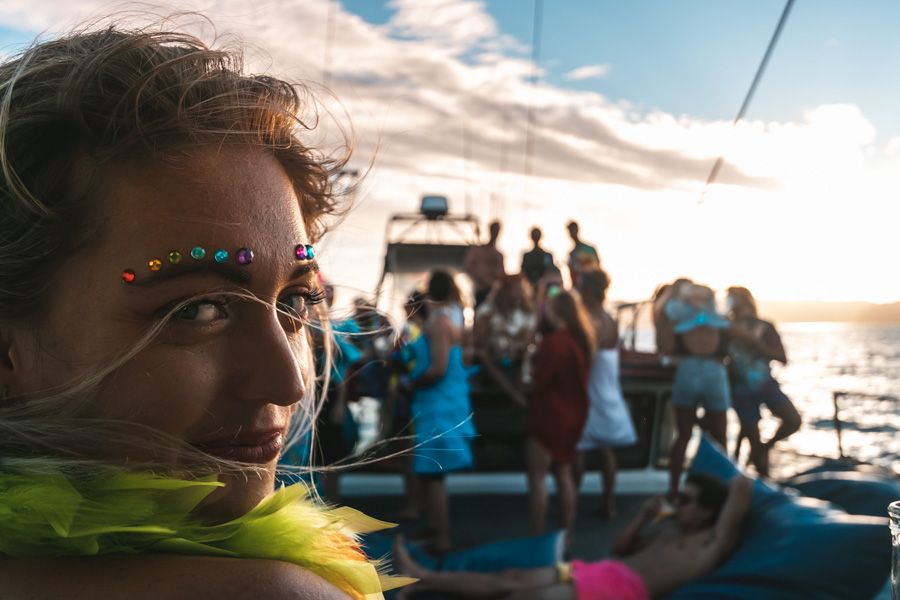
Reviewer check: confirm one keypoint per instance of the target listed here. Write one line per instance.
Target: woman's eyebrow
(233, 273)
(305, 269)
(237, 274)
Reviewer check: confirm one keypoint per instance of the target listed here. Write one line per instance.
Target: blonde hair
(568, 308)
(73, 106)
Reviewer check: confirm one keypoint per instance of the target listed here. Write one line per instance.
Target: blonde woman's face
(225, 374)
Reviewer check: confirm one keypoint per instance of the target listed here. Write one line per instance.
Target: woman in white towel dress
(609, 423)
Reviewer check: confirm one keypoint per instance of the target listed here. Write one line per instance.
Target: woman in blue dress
(441, 412)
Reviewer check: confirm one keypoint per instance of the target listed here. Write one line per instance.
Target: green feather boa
(44, 513)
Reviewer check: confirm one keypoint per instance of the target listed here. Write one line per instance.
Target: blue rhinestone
(220, 256)
(198, 253)
(310, 252)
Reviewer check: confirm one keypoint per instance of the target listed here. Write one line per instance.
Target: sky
(626, 107)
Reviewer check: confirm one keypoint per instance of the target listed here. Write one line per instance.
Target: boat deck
(489, 507)
(479, 519)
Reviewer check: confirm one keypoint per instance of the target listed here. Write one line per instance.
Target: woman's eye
(204, 311)
(295, 305)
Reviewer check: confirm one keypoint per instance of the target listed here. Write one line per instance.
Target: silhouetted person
(536, 260)
(484, 264)
(583, 256)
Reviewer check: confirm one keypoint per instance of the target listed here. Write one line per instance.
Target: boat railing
(837, 396)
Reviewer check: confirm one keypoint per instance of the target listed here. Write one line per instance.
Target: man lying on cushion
(653, 556)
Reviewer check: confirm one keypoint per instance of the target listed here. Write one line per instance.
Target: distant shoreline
(821, 312)
(845, 312)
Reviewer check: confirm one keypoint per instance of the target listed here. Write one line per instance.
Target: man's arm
(498, 268)
(727, 530)
(628, 541)
(470, 260)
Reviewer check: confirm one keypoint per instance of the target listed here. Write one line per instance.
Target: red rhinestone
(128, 276)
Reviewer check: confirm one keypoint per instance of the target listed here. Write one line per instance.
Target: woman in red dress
(558, 408)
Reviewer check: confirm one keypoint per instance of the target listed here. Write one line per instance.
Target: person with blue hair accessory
(690, 329)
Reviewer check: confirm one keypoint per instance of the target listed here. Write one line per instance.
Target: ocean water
(860, 359)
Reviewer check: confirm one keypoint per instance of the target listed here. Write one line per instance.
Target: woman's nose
(271, 365)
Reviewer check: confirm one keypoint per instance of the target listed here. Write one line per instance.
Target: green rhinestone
(174, 257)
(198, 253)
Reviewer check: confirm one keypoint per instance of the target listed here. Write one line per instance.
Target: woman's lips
(256, 449)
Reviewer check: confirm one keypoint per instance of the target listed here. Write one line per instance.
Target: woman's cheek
(174, 392)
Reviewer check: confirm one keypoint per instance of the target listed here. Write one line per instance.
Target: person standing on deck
(609, 420)
(558, 408)
(504, 328)
(754, 344)
(441, 411)
(536, 261)
(583, 256)
(484, 264)
(690, 329)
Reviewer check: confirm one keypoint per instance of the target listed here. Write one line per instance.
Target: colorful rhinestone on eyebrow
(304, 252)
(244, 256)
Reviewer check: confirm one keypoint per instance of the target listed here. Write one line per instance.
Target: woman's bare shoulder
(160, 576)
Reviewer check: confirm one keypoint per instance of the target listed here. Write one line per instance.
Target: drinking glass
(894, 513)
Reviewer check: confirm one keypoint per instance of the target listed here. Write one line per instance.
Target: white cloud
(457, 23)
(588, 72)
(440, 97)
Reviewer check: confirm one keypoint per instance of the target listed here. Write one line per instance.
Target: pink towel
(607, 580)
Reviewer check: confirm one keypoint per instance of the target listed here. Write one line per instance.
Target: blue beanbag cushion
(793, 547)
(522, 553)
(856, 493)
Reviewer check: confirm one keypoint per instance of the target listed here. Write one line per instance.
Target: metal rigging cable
(756, 79)
(537, 26)
(535, 57)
